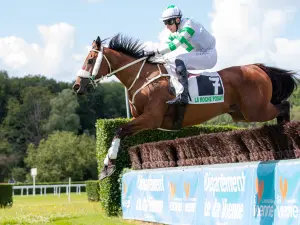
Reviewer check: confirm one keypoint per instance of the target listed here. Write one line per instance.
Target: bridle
(85, 74)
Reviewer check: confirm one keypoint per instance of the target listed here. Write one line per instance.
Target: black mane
(127, 45)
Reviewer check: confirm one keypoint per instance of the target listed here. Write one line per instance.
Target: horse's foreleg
(144, 122)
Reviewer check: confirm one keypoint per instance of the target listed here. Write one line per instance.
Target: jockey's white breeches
(193, 60)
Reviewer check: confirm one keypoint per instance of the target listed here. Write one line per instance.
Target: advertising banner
(262, 193)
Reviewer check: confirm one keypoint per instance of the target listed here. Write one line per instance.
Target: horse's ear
(98, 42)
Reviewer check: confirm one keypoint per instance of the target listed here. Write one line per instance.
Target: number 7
(216, 84)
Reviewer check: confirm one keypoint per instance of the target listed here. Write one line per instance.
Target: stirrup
(178, 100)
(174, 100)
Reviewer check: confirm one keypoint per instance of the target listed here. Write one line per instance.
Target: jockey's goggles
(170, 21)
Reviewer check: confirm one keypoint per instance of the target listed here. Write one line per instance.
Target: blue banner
(260, 193)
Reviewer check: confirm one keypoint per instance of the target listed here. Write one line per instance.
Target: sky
(52, 37)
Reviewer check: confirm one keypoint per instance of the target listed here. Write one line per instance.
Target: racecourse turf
(52, 209)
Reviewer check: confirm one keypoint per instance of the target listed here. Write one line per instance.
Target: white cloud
(287, 53)
(54, 58)
(247, 31)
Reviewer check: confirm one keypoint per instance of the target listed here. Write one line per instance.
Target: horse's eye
(90, 61)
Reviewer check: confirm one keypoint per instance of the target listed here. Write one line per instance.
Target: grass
(52, 209)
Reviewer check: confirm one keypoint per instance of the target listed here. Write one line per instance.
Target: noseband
(86, 74)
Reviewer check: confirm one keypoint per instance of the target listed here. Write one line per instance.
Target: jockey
(197, 43)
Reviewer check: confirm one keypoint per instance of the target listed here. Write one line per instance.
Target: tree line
(44, 124)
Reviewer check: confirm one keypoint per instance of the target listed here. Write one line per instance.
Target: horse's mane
(127, 45)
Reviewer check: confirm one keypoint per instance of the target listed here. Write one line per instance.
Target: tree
(25, 119)
(19, 174)
(18, 84)
(7, 158)
(4, 90)
(106, 101)
(63, 155)
(113, 100)
(12, 129)
(35, 111)
(63, 113)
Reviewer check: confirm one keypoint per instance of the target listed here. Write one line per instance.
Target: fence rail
(43, 188)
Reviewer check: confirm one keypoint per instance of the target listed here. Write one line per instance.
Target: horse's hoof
(108, 170)
(103, 173)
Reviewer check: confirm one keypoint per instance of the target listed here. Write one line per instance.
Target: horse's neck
(127, 76)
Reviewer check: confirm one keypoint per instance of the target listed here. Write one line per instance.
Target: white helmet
(170, 12)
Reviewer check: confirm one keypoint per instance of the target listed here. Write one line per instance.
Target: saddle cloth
(204, 87)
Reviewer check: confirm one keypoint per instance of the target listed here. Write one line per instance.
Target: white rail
(43, 188)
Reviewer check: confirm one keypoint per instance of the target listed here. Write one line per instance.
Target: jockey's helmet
(171, 12)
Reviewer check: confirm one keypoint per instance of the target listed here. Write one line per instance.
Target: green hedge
(92, 190)
(110, 194)
(6, 195)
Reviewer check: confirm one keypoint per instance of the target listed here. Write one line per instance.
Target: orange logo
(172, 189)
(124, 188)
(187, 190)
(259, 189)
(283, 188)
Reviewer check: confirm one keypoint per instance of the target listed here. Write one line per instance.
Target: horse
(249, 93)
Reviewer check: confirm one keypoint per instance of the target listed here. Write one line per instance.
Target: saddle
(204, 87)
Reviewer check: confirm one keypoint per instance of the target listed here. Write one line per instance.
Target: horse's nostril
(76, 87)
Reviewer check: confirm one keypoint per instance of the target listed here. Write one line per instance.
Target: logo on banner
(172, 190)
(287, 208)
(124, 188)
(283, 186)
(259, 189)
(190, 203)
(187, 190)
(184, 203)
(126, 202)
(264, 204)
(175, 204)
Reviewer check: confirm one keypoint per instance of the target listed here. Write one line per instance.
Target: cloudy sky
(52, 37)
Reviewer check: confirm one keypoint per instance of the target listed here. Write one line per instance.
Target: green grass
(52, 209)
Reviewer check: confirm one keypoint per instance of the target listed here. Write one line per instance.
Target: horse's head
(93, 68)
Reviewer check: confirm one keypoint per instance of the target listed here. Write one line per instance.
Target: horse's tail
(284, 82)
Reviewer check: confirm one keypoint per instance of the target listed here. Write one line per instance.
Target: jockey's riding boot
(181, 71)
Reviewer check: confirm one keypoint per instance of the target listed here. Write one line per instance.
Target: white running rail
(43, 188)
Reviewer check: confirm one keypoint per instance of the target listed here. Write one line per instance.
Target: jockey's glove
(149, 54)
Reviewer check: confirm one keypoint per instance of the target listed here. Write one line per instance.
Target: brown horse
(252, 93)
